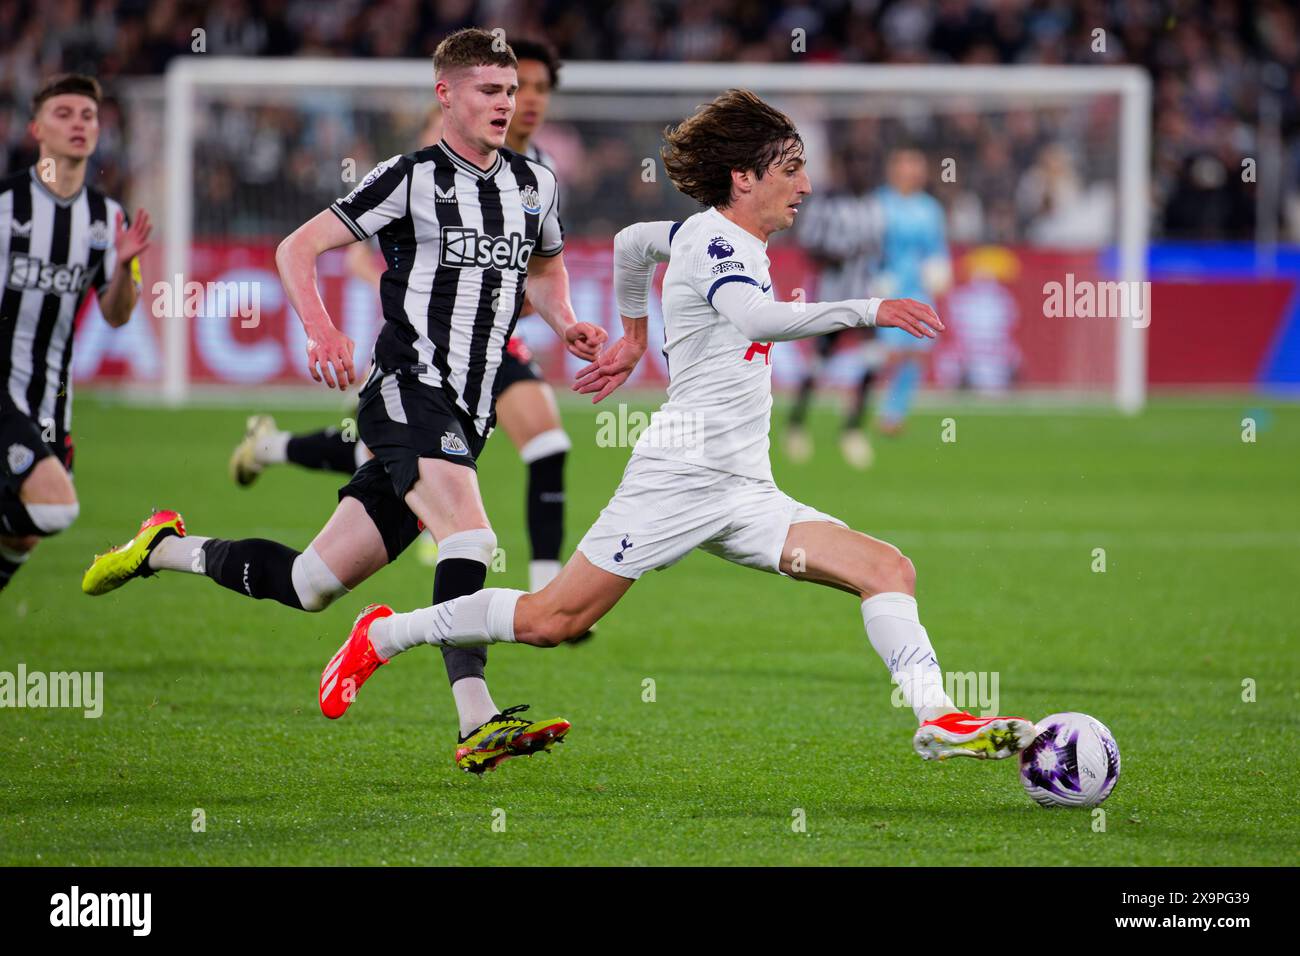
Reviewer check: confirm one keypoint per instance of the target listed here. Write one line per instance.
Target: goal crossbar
(186, 75)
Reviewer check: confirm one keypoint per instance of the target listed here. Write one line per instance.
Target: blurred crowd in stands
(1038, 175)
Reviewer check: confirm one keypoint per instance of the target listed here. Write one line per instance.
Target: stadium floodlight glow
(618, 86)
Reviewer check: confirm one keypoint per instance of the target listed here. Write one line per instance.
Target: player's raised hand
(329, 357)
(130, 242)
(913, 317)
(584, 340)
(610, 370)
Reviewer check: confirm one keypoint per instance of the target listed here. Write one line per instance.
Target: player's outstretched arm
(548, 292)
(762, 320)
(329, 351)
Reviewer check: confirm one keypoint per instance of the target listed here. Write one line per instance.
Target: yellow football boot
(110, 571)
(506, 736)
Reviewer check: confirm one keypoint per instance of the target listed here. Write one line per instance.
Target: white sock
(176, 553)
(474, 704)
(484, 617)
(542, 573)
(895, 631)
(272, 449)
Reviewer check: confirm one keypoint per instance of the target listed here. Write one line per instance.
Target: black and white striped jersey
(457, 240)
(53, 251)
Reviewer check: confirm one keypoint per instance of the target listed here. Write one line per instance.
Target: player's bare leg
(350, 545)
(46, 505)
(446, 498)
(569, 606)
(885, 580)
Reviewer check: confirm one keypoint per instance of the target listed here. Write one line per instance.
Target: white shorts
(663, 510)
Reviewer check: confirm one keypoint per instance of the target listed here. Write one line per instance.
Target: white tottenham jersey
(53, 251)
(720, 321)
(457, 240)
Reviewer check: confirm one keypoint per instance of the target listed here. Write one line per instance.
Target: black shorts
(397, 524)
(517, 365)
(23, 444)
(402, 420)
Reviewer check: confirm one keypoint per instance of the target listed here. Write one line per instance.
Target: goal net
(1042, 173)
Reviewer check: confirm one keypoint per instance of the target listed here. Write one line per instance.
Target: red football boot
(352, 666)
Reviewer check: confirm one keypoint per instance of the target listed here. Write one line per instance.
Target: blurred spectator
(1042, 175)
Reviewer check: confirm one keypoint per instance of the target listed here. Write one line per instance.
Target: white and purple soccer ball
(1073, 762)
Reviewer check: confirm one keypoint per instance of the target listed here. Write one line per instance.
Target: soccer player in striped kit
(526, 407)
(463, 226)
(59, 238)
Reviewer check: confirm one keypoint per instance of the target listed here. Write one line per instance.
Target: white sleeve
(637, 250)
(761, 320)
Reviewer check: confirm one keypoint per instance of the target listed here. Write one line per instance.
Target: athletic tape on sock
(313, 581)
(550, 442)
(501, 613)
(891, 603)
(476, 545)
(51, 519)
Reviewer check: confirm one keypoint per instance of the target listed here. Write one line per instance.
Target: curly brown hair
(737, 131)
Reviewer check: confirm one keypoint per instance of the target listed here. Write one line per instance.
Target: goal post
(654, 94)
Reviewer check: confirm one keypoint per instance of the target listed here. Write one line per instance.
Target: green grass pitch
(768, 698)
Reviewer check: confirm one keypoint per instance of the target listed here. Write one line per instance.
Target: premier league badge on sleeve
(720, 248)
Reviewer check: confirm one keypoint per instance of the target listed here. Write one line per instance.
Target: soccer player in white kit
(700, 475)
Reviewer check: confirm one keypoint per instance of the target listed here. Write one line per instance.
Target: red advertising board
(1002, 334)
